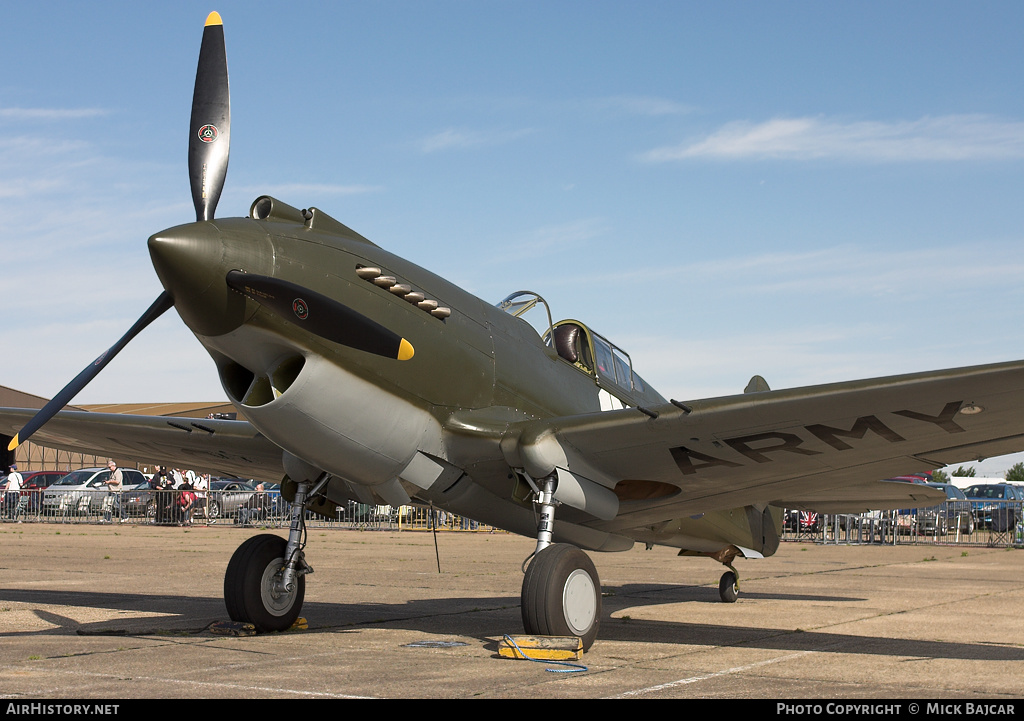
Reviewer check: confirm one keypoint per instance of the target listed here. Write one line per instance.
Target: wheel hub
(276, 599)
(578, 601)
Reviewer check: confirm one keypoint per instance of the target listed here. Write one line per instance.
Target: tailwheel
(562, 594)
(729, 587)
(252, 590)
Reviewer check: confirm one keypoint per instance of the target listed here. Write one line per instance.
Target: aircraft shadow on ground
(654, 593)
(485, 618)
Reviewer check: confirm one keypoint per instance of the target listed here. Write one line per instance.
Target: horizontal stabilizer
(862, 497)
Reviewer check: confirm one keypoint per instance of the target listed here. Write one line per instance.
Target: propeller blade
(160, 305)
(210, 130)
(321, 315)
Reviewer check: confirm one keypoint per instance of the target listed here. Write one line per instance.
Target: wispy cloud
(837, 271)
(34, 165)
(946, 138)
(551, 239)
(50, 113)
(463, 139)
(285, 190)
(643, 105)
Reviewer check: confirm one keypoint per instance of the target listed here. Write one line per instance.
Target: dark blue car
(996, 505)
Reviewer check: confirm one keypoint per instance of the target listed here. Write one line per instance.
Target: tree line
(1015, 474)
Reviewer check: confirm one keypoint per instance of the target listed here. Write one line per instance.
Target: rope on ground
(576, 668)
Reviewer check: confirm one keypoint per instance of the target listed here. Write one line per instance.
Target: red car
(33, 483)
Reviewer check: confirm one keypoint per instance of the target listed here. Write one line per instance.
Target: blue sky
(810, 191)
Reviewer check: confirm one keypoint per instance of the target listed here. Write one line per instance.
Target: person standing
(13, 495)
(158, 475)
(115, 485)
(255, 508)
(163, 486)
(202, 485)
(186, 503)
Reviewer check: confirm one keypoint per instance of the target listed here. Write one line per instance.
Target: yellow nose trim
(214, 19)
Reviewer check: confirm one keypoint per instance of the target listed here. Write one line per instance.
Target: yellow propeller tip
(13, 444)
(214, 19)
(405, 350)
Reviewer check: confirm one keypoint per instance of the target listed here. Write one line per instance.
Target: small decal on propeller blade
(300, 308)
(209, 133)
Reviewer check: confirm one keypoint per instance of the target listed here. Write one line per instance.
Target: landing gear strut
(561, 593)
(265, 582)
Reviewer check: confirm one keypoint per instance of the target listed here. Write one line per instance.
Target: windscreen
(75, 478)
(530, 307)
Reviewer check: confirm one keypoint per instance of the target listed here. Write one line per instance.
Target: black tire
(151, 510)
(213, 510)
(248, 586)
(969, 528)
(562, 594)
(728, 587)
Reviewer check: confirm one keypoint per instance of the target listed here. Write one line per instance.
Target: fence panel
(241, 508)
(973, 523)
(968, 523)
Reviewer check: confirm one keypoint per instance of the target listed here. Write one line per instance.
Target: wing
(818, 448)
(218, 446)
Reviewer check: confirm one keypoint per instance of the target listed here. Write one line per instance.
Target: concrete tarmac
(123, 612)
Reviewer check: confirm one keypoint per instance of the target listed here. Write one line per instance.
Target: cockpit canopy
(590, 352)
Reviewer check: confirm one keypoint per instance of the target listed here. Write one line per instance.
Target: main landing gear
(253, 591)
(561, 590)
(265, 582)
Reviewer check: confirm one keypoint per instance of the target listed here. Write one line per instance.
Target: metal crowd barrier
(986, 522)
(262, 509)
(989, 522)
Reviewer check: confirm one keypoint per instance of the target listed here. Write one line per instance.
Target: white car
(83, 491)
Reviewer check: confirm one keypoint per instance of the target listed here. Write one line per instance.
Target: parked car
(140, 501)
(995, 505)
(33, 483)
(67, 493)
(36, 480)
(913, 478)
(227, 495)
(955, 514)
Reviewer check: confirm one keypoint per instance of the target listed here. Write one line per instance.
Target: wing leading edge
(819, 448)
(218, 446)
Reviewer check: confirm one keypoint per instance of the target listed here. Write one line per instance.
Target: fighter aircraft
(364, 377)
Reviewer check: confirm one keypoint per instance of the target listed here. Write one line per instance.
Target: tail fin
(757, 384)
